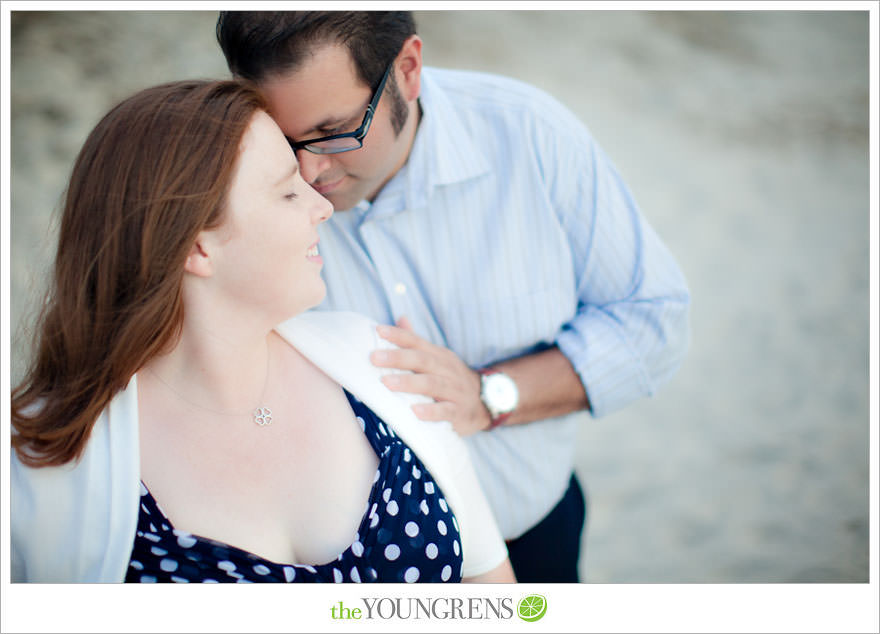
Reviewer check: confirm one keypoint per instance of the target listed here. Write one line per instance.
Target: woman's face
(268, 246)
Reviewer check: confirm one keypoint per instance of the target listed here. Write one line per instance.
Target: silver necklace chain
(262, 415)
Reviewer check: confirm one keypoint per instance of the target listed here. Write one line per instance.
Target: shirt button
(400, 288)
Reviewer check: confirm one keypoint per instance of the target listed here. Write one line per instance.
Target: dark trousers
(549, 551)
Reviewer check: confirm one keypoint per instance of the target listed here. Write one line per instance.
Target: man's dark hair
(260, 44)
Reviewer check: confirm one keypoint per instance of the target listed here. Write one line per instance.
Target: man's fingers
(434, 411)
(405, 359)
(401, 336)
(437, 387)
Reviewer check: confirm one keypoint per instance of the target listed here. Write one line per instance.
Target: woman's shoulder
(340, 323)
(351, 331)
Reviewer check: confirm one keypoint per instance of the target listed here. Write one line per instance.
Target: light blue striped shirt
(508, 230)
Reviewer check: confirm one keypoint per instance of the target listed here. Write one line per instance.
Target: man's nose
(312, 165)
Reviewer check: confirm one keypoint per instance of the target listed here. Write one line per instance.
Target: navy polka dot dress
(407, 534)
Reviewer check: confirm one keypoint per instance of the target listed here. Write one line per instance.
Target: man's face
(322, 97)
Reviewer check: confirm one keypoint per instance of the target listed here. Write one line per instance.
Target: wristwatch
(499, 394)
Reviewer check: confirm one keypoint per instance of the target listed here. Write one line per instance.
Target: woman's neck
(217, 369)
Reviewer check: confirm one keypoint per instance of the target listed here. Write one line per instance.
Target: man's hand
(437, 372)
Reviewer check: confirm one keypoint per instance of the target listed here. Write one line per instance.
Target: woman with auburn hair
(184, 417)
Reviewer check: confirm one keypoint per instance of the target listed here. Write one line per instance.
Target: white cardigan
(77, 522)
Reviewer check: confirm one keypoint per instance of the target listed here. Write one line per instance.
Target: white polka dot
(289, 573)
(423, 506)
(153, 538)
(260, 569)
(136, 565)
(144, 490)
(455, 523)
(337, 576)
(443, 505)
(406, 455)
(168, 565)
(152, 528)
(357, 548)
(392, 552)
(431, 551)
(148, 579)
(407, 488)
(376, 476)
(456, 548)
(374, 521)
(382, 429)
(228, 566)
(446, 572)
(392, 508)
(310, 568)
(412, 529)
(411, 575)
(441, 526)
(145, 509)
(210, 581)
(159, 552)
(416, 473)
(386, 494)
(177, 579)
(165, 526)
(429, 487)
(362, 424)
(355, 575)
(186, 541)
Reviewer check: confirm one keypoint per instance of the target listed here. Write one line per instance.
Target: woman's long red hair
(152, 174)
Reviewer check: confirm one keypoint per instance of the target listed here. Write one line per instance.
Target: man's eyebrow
(331, 122)
(289, 175)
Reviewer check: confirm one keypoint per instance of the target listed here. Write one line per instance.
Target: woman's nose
(323, 209)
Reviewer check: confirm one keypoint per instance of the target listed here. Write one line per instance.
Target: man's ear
(199, 262)
(409, 68)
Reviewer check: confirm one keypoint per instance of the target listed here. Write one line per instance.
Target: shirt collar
(443, 151)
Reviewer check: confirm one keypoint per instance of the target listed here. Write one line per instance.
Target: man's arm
(548, 385)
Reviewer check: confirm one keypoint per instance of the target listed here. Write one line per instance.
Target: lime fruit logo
(532, 608)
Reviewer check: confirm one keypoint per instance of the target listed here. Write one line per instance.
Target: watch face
(501, 393)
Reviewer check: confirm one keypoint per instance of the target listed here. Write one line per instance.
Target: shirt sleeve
(631, 329)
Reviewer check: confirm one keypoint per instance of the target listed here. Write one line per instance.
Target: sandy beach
(744, 138)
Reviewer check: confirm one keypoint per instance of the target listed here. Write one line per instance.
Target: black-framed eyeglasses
(347, 141)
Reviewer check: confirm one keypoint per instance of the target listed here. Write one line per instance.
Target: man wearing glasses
(481, 217)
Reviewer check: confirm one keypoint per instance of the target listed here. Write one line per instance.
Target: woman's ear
(199, 262)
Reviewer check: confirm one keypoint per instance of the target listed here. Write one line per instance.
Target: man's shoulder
(489, 96)
(482, 85)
